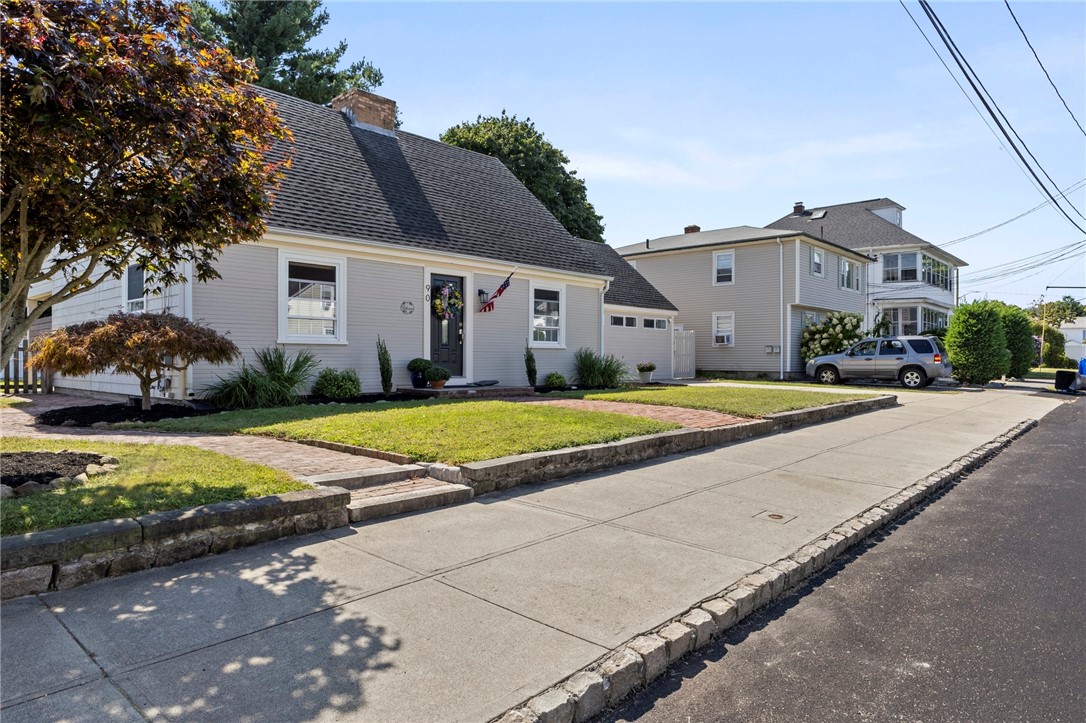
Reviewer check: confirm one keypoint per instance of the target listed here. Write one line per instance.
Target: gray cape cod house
(369, 228)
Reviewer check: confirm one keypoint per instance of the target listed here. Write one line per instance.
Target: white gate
(682, 355)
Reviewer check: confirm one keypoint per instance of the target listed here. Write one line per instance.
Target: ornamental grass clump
(840, 330)
(599, 372)
(274, 381)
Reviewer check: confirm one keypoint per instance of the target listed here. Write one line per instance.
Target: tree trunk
(145, 390)
(16, 326)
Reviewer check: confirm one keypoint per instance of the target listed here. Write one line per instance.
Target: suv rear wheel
(828, 375)
(913, 378)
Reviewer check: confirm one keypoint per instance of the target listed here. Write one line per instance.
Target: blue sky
(724, 114)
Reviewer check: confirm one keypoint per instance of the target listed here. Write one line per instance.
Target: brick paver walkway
(299, 460)
(693, 418)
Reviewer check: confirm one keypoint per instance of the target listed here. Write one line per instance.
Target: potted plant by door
(645, 370)
(418, 367)
(437, 376)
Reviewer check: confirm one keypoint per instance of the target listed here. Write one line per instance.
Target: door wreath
(447, 301)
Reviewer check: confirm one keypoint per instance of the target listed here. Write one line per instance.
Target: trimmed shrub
(1019, 334)
(529, 364)
(384, 363)
(418, 365)
(646, 366)
(337, 384)
(838, 332)
(554, 379)
(437, 374)
(1054, 351)
(274, 381)
(599, 372)
(977, 344)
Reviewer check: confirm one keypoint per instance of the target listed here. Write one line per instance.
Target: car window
(939, 345)
(865, 348)
(893, 347)
(921, 346)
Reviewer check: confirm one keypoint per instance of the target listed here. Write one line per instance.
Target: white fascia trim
(402, 254)
(340, 262)
(638, 311)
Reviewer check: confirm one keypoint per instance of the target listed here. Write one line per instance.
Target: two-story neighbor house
(912, 282)
(368, 226)
(748, 292)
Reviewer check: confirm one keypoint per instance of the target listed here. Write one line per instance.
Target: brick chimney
(692, 228)
(797, 209)
(367, 108)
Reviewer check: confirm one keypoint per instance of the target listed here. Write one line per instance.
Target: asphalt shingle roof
(856, 226)
(400, 188)
(629, 288)
(717, 237)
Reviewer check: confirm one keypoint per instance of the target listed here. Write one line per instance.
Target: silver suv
(915, 361)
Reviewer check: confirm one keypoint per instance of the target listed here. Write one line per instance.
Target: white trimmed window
(724, 328)
(899, 267)
(650, 323)
(810, 318)
(619, 320)
(903, 320)
(311, 299)
(816, 262)
(850, 275)
(548, 313)
(723, 267)
(135, 294)
(931, 319)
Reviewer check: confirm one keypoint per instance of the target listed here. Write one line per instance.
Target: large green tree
(537, 164)
(1056, 312)
(1019, 335)
(125, 140)
(276, 35)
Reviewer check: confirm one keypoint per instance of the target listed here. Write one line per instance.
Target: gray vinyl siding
(582, 319)
(687, 280)
(500, 334)
(824, 292)
(244, 305)
(638, 344)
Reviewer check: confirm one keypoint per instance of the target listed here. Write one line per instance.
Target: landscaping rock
(703, 626)
(653, 650)
(60, 482)
(96, 470)
(679, 639)
(107, 459)
(624, 670)
(6, 492)
(29, 488)
(26, 581)
(724, 612)
(99, 425)
(589, 693)
(80, 572)
(743, 597)
(553, 706)
(81, 479)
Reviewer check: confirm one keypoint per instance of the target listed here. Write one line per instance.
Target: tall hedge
(977, 343)
(1018, 330)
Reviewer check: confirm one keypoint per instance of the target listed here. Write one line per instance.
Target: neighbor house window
(311, 299)
(547, 316)
(135, 295)
(903, 320)
(930, 319)
(724, 267)
(724, 328)
(654, 323)
(899, 267)
(816, 262)
(936, 273)
(617, 320)
(850, 275)
(810, 318)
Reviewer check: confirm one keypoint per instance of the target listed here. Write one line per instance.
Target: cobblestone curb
(505, 472)
(72, 556)
(609, 679)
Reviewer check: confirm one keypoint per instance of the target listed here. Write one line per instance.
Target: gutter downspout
(603, 314)
(780, 314)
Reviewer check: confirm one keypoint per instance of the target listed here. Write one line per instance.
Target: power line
(1050, 82)
(1069, 189)
(974, 80)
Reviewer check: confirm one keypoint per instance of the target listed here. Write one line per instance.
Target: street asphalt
(462, 612)
(971, 609)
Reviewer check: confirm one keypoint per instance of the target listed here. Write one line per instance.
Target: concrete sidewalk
(460, 613)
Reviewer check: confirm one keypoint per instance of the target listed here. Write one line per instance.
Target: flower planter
(646, 377)
(418, 380)
(437, 383)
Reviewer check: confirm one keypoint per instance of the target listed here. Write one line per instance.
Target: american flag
(489, 305)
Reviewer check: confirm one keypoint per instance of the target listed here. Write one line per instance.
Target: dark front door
(447, 329)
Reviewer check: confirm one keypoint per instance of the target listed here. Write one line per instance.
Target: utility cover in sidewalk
(775, 517)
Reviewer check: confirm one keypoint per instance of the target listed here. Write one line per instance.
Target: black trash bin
(1064, 379)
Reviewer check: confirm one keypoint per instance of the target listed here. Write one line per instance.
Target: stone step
(410, 496)
(363, 478)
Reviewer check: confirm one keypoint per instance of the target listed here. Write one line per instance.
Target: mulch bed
(18, 468)
(85, 416)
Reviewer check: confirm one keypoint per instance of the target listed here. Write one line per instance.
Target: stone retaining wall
(71, 556)
(505, 472)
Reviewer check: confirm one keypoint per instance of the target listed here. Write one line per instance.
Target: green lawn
(6, 401)
(739, 401)
(1048, 373)
(450, 432)
(151, 478)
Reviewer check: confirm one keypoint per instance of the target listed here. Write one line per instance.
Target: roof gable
(629, 287)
